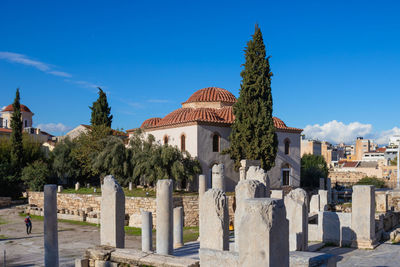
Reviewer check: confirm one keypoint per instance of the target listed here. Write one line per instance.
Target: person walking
(28, 224)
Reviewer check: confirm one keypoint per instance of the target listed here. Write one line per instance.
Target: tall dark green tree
(253, 133)
(101, 111)
(16, 136)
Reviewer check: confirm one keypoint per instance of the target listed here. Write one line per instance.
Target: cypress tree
(101, 111)
(16, 135)
(253, 132)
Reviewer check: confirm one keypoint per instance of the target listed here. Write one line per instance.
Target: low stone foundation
(86, 207)
(5, 202)
(108, 256)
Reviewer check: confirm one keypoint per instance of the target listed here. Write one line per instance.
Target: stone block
(257, 173)
(312, 259)
(381, 199)
(112, 213)
(81, 262)
(212, 258)
(214, 220)
(363, 216)
(323, 200)
(335, 227)
(218, 177)
(245, 189)
(297, 215)
(264, 233)
(277, 194)
(314, 204)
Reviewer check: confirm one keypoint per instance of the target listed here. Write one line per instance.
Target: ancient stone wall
(86, 207)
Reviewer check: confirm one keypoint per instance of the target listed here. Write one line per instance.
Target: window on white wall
(216, 143)
(287, 146)
(286, 174)
(165, 140)
(183, 142)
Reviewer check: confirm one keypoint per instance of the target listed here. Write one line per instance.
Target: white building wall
(293, 159)
(174, 137)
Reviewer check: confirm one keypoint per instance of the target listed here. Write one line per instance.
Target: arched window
(215, 146)
(165, 140)
(287, 146)
(183, 142)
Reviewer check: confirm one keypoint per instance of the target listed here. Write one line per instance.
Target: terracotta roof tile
(5, 130)
(23, 108)
(152, 122)
(212, 94)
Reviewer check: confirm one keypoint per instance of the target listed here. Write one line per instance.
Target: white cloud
(25, 60)
(3, 107)
(54, 127)
(337, 132)
(382, 138)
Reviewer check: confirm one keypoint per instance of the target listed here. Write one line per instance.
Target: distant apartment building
(310, 147)
(362, 146)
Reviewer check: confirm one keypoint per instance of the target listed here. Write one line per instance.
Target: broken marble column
(178, 227)
(314, 204)
(363, 216)
(323, 200)
(264, 233)
(164, 226)
(77, 186)
(112, 218)
(277, 194)
(214, 220)
(202, 184)
(147, 231)
(218, 177)
(381, 200)
(245, 189)
(130, 186)
(322, 183)
(329, 189)
(59, 188)
(297, 215)
(50, 226)
(244, 166)
(257, 173)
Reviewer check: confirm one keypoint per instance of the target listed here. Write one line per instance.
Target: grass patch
(2, 221)
(190, 234)
(41, 218)
(82, 190)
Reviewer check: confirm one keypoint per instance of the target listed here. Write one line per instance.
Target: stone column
(335, 196)
(381, 200)
(363, 216)
(202, 184)
(264, 234)
(50, 226)
(59, 189)
(147, 231)
(178, 227)
(257, 173)
(214, 220)
(323, 200)
(314, 204)
(245, 189)
(130, 186)
(322, 183)
(218, 177)
(112, 218)
(297, 215)
(164, 238)
(77, 186)
(329, 189)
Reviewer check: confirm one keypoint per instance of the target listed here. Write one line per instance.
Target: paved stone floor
(24, 250)
(28, 250)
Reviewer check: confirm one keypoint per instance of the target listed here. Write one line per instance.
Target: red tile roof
(5, 130)
(381, 149)
(212, 94)
(212, 115)
(23, 108)
(350, 164)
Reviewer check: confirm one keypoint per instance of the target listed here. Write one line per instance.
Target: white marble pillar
(164, 226)
(50, 226)
(147, 231)
(178, 227)
(218, 177)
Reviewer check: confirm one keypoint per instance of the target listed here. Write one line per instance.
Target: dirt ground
(28, 250)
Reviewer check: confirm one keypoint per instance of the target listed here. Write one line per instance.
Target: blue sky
(336, 63)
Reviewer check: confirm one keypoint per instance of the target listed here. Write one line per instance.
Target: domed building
(202, 127)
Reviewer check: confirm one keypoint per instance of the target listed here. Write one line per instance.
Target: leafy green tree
(101, 111)
(253, 132)
(64, 165)
(36, 175)
(313, 167)
(378, 183)
(16, 136)
(32, 149)
(88, 146)
(113, 159)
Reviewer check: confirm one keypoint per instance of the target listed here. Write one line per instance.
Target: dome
(212, 94)
(184, 115)
(152, 122)
(11, 109)
(279, 124)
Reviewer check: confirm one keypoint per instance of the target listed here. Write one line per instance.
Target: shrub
(378, 183)
(36, 175)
